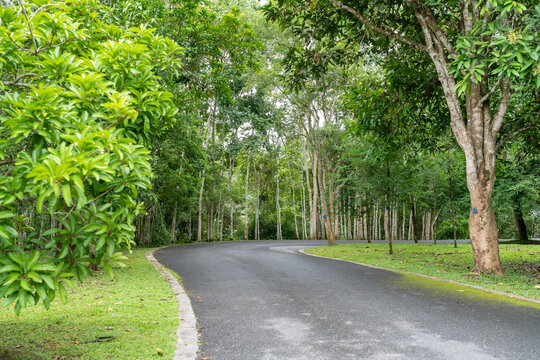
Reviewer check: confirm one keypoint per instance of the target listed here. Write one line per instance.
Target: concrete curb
(187, 344)
(426, 276)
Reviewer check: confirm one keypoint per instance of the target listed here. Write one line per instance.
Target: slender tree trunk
(367, 224)
(304, 222)
(349, 225)
(427, 225)
(433, 223)
(387, 225)
(199, 214)
(414, 223)
(313, 218)
(210, 223)
(278, 209)
(246, 204)
(452, 211)
(293, 196)
(403, 224)
(324, 207)
(189, 226)
(173, 226)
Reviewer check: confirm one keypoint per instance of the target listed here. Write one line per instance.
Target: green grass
(137, 308)
(521, 263)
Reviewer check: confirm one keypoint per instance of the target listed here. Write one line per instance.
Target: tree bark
(453, 211)
(293, 195)
(173, 226)
(324, 207)
(199, 214)
(520, 225)
(313, 217)
(278, 209)
(387, 215)
(246, 204)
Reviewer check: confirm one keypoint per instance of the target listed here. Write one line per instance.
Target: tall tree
(479, 50)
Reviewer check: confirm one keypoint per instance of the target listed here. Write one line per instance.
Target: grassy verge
(136, 311)
(521, 263)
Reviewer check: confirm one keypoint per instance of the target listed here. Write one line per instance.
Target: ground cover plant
(521, 263)
(132, 316)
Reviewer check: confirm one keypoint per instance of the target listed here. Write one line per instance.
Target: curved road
(263, 300)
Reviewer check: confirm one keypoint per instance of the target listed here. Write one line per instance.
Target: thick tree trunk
(483, 230)
(476, 133)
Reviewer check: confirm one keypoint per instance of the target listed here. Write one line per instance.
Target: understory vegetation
(133, 316)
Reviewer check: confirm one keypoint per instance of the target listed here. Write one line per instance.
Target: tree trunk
(324, 207)
(387, 215)
(199, 215)
(246, 204)
(403, 224)
(313, 217)
(520, 224)
(293, 196)
(432, 226)
(414, 223)
(173, 226)
(304, 222)
(367, 216)
(278, 209)
(483, 232)
(453, 211)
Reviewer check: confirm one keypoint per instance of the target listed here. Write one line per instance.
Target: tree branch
(514, 133)
(491, 91)
(503, 106)
(7, 162)
(431, 21)
(383, 29)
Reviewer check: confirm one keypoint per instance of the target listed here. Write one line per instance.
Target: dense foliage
(151, 122)
(79, 99)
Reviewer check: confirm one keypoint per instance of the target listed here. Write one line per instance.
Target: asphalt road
(263, 300)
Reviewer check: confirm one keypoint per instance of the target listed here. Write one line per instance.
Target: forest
(149, 122)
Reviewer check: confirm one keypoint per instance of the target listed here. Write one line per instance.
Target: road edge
(426, 276)
(187, 343)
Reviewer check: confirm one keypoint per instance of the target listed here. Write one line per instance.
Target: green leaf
(44, 267)
(10, 268)
(49, 281)
(7, 214)
(26, 285)
(66, 194)
(63, 293)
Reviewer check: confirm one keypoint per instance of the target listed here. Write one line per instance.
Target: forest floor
(132, 316)
(521, 263)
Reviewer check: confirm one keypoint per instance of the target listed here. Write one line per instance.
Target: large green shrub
(79, 100)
